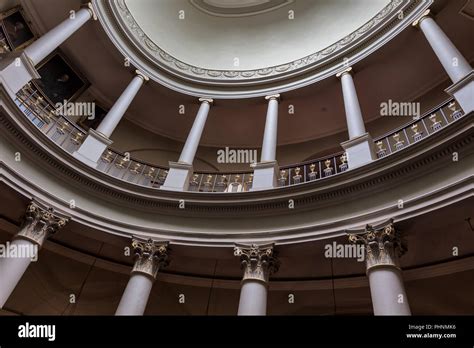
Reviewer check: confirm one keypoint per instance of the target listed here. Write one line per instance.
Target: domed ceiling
(249, 48)
(238, 8)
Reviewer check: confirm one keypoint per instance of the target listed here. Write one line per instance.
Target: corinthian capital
(150, 256)
(258, 261)
(40, 222)
(383, 245)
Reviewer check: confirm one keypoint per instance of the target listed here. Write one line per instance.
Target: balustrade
(419, 128)
(65, 133)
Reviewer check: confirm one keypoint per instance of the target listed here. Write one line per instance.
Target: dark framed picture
(88, 123)
(4, 46)
(15, 29)
(59, 80)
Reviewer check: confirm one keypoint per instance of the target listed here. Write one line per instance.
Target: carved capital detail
(276, 97)
(258, 261)
(347, 70)
(142, 75)
(150, 256)
(210, 101)
(383, 245)
(39, 223)
(91, 10)
(417, 22)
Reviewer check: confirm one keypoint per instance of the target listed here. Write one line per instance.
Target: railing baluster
(424, 125)
(444, 115)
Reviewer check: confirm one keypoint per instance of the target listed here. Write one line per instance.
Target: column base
(178, 177)
(360, 150)
(92, 148)
(16, 70)
(265, 176)
(463, 92)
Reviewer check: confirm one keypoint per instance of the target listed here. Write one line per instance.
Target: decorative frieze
(383, 245)
(258, 261)
(146, 44)
(150, 256)
(40, 222)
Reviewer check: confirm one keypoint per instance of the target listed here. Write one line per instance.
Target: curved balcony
(69, 136)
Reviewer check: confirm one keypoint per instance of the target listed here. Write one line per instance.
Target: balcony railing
(220, 182)
(313, 170)
(418, 128)
(69, 136)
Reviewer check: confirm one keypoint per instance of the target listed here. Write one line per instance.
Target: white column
(18, 68)
(39, 223)
(98, 140)
(360, 146)
(46, 44)
(194, 137)
(180, 172)
(383, 246)
(116, 113)
(271, 130)
(355, 121)
(150, 256)
(387, 291)
(258, 263)
(453, 62)
(265, 173)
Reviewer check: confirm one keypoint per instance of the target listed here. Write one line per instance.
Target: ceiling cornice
(133, 42)
(239, 11)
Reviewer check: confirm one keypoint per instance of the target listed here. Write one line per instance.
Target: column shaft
(253, 298)
(194, 137)
(383, 247)
(387, 291)
(271, 131)
(355, 122)
(39, 223)
(135, 297)
(117, 112)
(46, 44)
(258, 262)
(452, 60)
(12, 269)
(150, 256)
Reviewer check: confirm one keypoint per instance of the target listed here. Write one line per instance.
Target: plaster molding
(167, 70)
(244, 11)
(140, 37)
